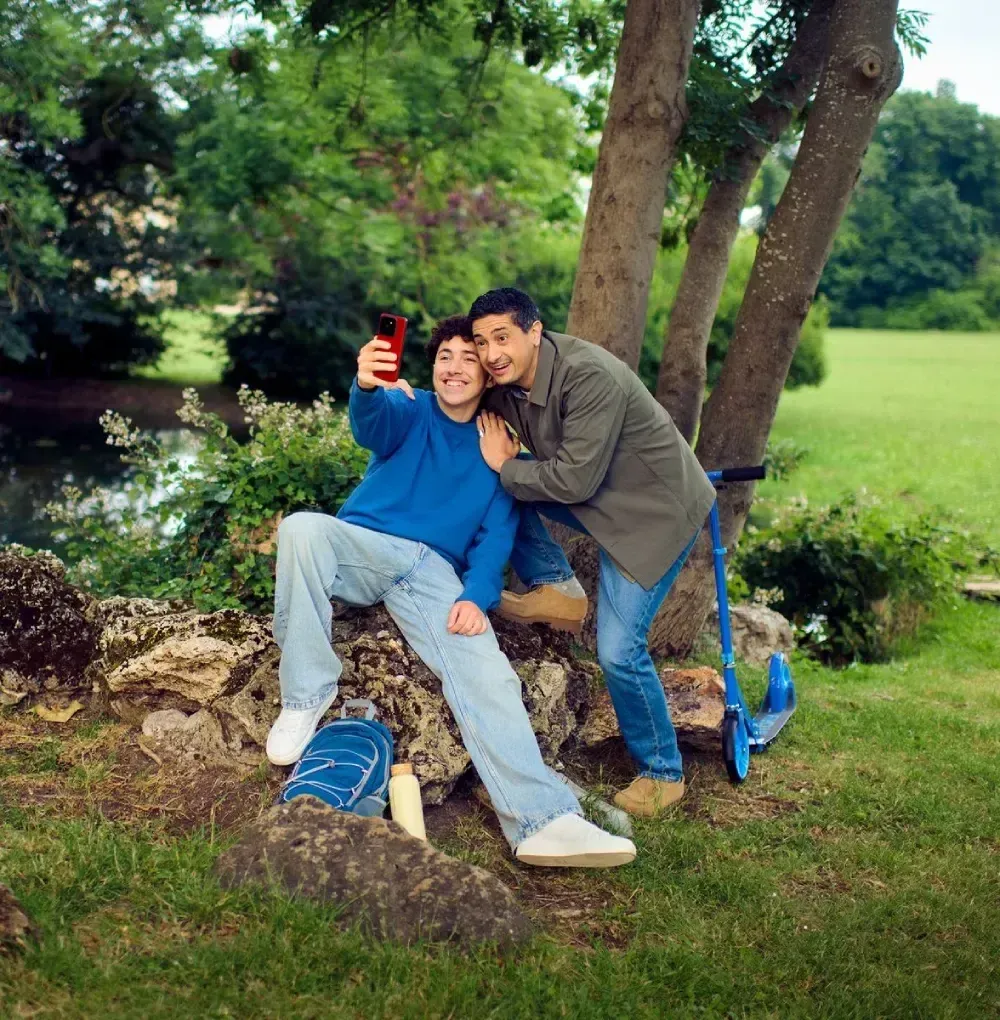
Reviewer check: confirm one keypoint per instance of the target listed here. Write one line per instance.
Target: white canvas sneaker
(570, 841)
(293, 729)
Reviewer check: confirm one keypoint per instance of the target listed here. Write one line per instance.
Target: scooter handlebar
(738, 474)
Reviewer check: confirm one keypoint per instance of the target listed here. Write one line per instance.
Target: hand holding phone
(379, 359)
(392, 329)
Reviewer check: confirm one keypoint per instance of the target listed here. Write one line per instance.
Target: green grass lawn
(192, 357)
(855, 874)
(912, 417)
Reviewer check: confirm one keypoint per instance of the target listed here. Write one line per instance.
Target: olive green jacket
(608, 450)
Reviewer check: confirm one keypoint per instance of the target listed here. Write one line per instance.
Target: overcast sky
(964, 40)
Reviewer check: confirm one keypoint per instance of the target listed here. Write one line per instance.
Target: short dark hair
(506, 301)
(454, 325)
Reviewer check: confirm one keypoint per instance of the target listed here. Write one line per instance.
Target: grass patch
(913, 418)
(193, 356)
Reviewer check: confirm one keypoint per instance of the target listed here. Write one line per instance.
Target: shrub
(190, 528)
(852, 580)
(782, 457)
(938, 309)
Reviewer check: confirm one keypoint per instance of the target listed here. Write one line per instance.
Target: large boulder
(396, 887)
(47, 638)
(758, 632)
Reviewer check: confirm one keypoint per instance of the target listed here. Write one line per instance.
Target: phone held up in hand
(392, 328)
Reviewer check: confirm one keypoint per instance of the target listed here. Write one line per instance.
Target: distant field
(912, 417)
(192, 358)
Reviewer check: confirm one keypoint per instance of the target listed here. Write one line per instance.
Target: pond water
(39, 454)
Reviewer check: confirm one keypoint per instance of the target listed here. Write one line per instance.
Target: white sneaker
(570, 841)
(293, 729)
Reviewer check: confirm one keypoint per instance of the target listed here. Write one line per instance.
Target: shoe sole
(593, 860)
(570, 626)
(322, 709)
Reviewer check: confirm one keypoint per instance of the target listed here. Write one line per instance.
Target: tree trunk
(863, 70)
(625, 213)
(680, 387)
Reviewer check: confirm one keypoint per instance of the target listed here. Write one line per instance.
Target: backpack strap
(365, 703)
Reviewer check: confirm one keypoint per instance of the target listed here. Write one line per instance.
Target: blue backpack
(346, 764)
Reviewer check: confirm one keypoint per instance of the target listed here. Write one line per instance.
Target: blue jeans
(320, 558)
(624, 612)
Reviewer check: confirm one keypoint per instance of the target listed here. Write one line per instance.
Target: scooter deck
(769, 725)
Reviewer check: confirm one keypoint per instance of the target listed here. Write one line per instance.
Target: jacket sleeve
(592, 423)
(490, 550)
(380, 418)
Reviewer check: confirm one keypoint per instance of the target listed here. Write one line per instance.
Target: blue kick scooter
(741, 731)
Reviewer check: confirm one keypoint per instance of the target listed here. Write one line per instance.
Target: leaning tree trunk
(680, 387)
(863, 70)
(625, 213)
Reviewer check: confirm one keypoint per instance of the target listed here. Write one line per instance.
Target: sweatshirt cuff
(485, 596)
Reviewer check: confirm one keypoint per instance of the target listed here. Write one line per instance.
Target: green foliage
(188, 527)
(85, 132)
(334, 183)
(852, 579)
(923, 217)
(782, 457)
(808, 367)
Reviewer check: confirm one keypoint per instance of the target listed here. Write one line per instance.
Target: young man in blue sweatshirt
(428, 532)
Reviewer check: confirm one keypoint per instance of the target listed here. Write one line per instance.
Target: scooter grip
(743, 474)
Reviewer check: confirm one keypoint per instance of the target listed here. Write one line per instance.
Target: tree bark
(680, 387)
(863, 70)
(621, 233)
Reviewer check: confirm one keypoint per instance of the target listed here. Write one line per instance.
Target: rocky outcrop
(697, 704)
(204, 686)
(397, 887)
(758, 632)
(47, 636)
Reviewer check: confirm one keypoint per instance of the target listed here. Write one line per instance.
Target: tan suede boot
(545, 604)
(649, 797)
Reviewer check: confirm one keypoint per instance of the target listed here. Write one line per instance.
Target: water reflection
(38, 457)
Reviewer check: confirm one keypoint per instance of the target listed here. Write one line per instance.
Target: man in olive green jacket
(606, 460)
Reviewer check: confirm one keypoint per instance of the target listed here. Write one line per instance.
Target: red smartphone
(393, 329)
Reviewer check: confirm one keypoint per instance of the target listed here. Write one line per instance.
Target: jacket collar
(543, 372)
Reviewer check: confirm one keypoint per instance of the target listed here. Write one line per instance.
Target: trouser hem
(527, 829)
(670, 776)
(300, 706)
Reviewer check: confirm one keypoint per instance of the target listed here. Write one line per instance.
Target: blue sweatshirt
(428, 482)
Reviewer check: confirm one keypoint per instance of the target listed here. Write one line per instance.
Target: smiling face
(459, 378)
(507, 352)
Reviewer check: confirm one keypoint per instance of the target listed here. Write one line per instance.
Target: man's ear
(536, 333)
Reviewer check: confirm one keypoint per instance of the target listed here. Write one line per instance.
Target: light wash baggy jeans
(322, 558)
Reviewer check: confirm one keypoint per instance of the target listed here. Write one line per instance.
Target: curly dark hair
(454, 325)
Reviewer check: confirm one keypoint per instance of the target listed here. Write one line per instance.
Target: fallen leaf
(8, 697)
(58, 714)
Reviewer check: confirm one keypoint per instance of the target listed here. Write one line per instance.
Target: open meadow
(855, 874)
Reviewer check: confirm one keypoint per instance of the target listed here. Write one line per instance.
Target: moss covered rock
(47, 635)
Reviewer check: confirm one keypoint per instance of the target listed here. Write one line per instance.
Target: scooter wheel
(735, 747)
